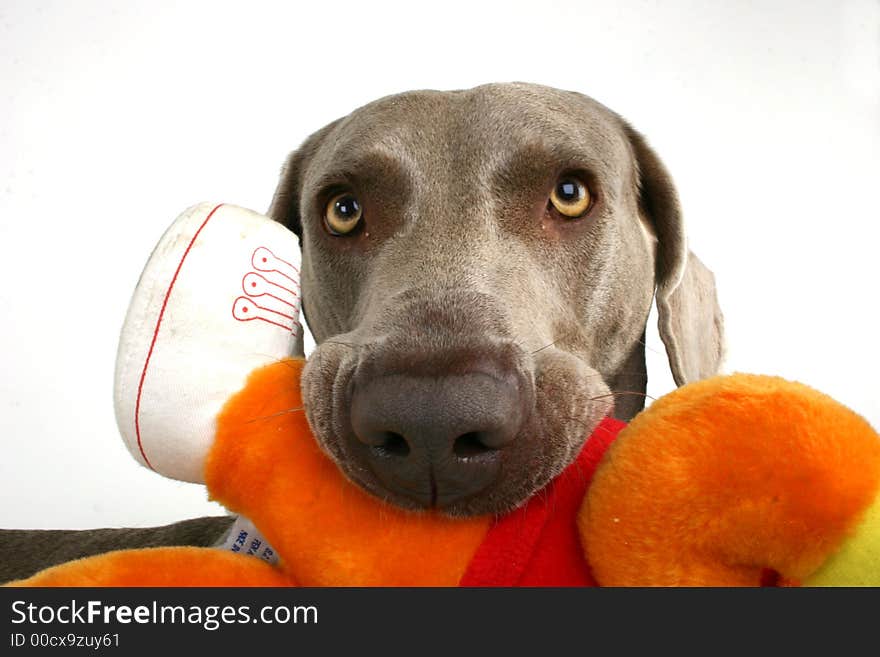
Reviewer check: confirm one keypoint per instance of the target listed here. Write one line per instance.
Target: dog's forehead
(490, 122)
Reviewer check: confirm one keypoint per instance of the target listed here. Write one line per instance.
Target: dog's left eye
(571, 197)
(343, 214)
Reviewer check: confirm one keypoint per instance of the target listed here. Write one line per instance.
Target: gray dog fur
(458, 255)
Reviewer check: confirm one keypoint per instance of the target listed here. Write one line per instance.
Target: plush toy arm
(165, 566)
(724, 480)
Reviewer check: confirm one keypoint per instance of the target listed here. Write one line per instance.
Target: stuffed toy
(739, 480)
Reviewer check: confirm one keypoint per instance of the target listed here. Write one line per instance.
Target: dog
(478, 269)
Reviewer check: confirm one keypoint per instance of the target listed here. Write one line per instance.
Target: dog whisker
(614, 393)
(284, 412)
(583, 424)
(649, 348)
(627, 372)
(547, 346)
(269, 357)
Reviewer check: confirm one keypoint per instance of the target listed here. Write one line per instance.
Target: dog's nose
(436, 440)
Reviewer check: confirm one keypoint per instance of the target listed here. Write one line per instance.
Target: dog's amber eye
(343, 214)
(570, 197)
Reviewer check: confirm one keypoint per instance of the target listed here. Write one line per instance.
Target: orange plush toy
(737, 480)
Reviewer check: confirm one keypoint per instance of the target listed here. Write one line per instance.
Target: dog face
(478, 268)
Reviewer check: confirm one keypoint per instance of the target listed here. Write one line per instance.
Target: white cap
(218, 298)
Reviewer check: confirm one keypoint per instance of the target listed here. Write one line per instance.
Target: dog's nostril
(469, 444)
(392, 444)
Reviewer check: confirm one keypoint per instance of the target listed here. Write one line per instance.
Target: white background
(116, 116)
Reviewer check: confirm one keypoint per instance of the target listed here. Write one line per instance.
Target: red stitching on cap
(137, 407)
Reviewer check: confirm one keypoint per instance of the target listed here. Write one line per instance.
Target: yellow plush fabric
(857, 562)
(725, 478)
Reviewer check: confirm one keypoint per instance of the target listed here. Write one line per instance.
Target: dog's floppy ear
(285, 206)
(286, 200)
(690, 320)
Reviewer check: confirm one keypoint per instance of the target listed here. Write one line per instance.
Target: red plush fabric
(539, 545)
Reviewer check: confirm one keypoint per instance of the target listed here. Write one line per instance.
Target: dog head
(478, 269)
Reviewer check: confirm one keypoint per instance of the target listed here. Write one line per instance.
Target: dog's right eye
(571, 197)
(342, 214)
